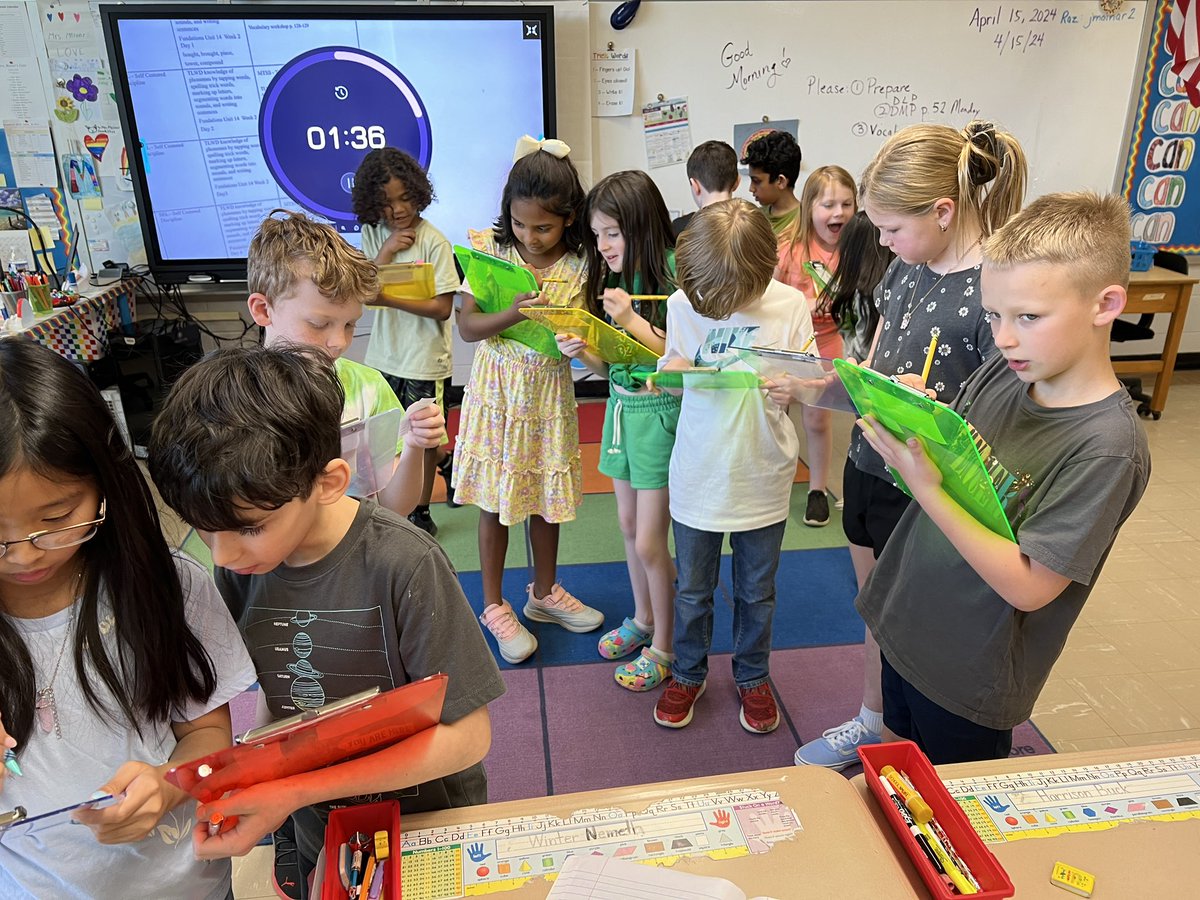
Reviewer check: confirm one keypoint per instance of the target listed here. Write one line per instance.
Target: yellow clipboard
(612, 346)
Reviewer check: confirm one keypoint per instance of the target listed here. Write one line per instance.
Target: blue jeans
(755, 562)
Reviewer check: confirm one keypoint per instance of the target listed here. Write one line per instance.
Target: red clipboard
(384, 720)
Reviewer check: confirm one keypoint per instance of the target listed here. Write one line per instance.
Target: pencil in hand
(934, 334)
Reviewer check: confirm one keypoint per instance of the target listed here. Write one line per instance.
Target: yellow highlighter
(920, 810)
(959, 880)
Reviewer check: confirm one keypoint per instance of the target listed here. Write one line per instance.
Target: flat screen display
(237, 110)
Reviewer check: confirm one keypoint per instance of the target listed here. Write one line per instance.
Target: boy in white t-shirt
(410, 339)
(735, 453)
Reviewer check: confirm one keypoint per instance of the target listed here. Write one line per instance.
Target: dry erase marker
(906, 816)
(920, 810)
(10, 761)
(215, 821)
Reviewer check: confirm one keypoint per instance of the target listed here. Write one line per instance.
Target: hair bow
(527, 145)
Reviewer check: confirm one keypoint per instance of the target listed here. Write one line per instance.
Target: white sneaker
(561, 608)
(837, 747)
(513, 639)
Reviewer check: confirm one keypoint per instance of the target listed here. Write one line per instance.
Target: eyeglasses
(61, 538)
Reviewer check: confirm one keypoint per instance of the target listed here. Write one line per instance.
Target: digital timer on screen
(266, 108)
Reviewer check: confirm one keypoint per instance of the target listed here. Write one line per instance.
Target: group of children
(123, 658)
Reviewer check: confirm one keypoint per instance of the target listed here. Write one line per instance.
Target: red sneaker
(674, 706)
(759, 714)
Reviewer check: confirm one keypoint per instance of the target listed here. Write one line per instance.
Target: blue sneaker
(836, 748)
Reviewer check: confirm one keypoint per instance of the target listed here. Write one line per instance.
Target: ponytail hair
(981, 168)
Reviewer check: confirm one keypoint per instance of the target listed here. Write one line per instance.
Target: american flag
(1183, 43)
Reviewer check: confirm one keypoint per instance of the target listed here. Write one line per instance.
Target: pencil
(934, 334)
(554, 281)
(647, 296)
(811, 338)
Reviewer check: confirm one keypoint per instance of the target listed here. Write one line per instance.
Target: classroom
(162, 166)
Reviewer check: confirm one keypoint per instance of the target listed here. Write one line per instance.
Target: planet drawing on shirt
(304, 618)
(306, 692)
(302, 645)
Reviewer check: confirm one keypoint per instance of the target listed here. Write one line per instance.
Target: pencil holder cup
(39, 296)
(11, 301)
(367, 819)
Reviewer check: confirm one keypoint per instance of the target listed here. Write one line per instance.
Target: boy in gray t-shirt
(332, 595)
(968, 622)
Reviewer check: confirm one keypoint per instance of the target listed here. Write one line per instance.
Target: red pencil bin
(905, 756)
(368, 818)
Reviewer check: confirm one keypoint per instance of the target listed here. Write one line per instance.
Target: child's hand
(7, 742)
(619, 306)
(259, 810)
(428, 425)
(917, 383)
(779, 389)
(908, 458)
(147, 798)
(570, 345)
(524, 301)
(398, 240)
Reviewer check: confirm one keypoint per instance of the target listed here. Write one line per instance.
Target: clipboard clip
(12, 817)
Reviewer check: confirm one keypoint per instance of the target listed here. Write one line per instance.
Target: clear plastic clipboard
(18, 823)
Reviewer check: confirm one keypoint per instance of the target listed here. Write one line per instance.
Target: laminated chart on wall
(668, 134)
(503, 854)
(1051, 802)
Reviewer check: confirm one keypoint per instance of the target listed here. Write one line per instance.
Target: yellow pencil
(933, 339)
(811, 339)
(554, 281)
(647, 296)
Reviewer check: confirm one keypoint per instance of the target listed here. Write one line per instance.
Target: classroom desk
(1158, 291)
(1134, 859)
(839, 850)
(79, 332)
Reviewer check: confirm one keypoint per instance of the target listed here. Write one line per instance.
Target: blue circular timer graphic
(324, 111)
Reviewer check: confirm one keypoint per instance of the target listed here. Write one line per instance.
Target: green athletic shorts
(639, 432)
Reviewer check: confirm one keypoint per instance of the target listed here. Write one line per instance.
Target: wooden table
(1158, 291)
(839, 850)
(1132, 860)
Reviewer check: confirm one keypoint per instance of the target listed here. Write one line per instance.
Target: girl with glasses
(119, 658)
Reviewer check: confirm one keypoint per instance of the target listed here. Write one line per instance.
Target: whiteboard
(1058, 76)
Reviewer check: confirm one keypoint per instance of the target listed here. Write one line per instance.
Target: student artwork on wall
(1162, 181)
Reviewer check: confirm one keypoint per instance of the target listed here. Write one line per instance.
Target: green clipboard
(612, 346)
(704, 379)
(945, 435)
(494, 283)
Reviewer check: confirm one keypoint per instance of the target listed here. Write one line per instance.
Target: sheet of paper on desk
(601, 878)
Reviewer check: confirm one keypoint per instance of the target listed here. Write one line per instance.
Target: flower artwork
(65, 110)
(83, 89)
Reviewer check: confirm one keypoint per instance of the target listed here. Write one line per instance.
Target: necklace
(47, 710)
(914, 302)
(43, 703)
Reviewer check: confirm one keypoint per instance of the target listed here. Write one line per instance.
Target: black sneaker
(286, 875)
(421, 518)
(816, 514)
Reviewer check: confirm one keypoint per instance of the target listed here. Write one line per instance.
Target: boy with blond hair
(308, 286)
(734, 456)
(968, 622)
(332, 595)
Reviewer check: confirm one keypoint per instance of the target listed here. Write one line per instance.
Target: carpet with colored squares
(565, 725)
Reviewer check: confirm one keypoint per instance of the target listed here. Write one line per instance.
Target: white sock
(873, 720)
(648, 629)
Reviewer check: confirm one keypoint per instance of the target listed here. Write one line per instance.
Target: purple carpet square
(616, 741)
(516, 764)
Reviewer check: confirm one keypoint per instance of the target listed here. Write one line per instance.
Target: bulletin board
(62, 157)
(1057, 75)
(1160, 182)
